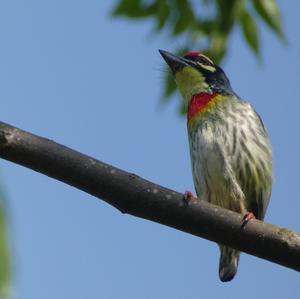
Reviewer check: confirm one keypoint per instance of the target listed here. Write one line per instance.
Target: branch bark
(132, 194)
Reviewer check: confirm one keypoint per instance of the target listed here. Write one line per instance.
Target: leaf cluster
(204, 25)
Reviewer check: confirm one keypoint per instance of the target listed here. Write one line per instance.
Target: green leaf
(162, 13)
(218, 45)
(5, 267)
(169, 86)
(250, 31)
(205, 27)
(134, 9)
(184, 16)
(125, 7)
(182, 107)
(269, 12)
(227, 14)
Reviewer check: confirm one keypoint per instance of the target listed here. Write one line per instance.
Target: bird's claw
(248, 216)
(188, 195)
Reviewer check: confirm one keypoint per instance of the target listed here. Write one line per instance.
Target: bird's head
(195, 73)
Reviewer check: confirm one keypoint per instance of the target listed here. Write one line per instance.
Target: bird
(230, 151)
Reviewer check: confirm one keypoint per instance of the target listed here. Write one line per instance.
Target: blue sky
(71, 73)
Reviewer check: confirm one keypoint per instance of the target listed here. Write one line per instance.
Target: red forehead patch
(193, 54)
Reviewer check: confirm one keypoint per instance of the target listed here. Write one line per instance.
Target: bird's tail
(229, 261)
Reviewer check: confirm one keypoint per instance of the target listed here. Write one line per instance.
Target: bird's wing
(255, 168)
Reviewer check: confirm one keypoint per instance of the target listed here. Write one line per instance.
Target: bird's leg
(188, 195)
(248, 216)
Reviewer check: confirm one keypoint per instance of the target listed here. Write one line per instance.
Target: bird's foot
(248, 216)
(188, 195)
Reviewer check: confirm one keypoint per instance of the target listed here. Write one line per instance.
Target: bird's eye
(201, 60)
(205, 60)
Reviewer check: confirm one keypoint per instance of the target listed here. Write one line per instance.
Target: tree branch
(133, 195)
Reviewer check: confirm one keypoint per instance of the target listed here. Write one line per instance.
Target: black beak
(175, 63)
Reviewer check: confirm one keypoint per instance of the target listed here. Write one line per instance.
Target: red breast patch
(198, 102)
